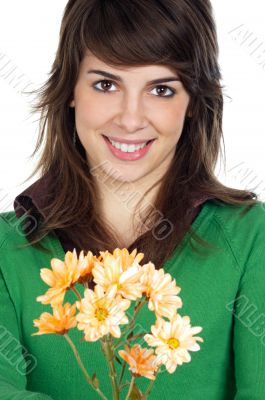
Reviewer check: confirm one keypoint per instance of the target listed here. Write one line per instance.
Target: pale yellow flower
(101, 313)
(121, 270)
(161, 290)
(60, 322)
(173, 339)
(142, 361)
(64, 274)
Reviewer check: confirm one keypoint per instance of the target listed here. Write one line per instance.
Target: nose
(131, 116)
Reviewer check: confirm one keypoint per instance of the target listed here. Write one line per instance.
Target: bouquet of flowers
(118, 279)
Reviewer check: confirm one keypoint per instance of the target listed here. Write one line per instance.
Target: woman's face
(129, 109)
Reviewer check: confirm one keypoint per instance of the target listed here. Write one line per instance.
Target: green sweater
(223, 291)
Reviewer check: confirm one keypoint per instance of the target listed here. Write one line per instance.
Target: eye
(107, 85)
(164, 89)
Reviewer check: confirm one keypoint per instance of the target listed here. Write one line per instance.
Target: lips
(128, 156)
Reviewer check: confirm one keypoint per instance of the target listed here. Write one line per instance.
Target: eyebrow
(118, 78)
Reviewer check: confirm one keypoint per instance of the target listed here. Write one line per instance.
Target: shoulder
(8, 222)
(240, 219)
(242, 228)
(11, 229)
(231, 216)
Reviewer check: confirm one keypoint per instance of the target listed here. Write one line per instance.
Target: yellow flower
(173, 339)
(121, 270)
(142, 361)
(101, 313)
(60, 322)
(161, 290)
(64, 275)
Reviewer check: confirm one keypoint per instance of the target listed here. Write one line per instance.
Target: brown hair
(176, 33)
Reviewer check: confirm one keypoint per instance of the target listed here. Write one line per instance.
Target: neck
(123, 205)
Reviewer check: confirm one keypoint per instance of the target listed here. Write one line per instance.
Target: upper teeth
(127, 148)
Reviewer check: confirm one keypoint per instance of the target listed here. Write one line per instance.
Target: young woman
(131, 129)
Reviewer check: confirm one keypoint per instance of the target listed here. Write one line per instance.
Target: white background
(28, 41)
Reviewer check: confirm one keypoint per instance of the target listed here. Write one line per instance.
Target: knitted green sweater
(223, 290)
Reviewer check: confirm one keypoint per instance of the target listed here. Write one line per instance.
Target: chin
(120, 175)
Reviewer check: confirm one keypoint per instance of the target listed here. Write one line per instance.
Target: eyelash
(158, 86)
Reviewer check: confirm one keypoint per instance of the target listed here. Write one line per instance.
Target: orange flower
(127, 259)
(60, 322)
(85, 266)
(64, 275)
(173, 339)
(120, 270)
(142, 361)
(161, 290)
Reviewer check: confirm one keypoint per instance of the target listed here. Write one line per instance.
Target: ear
(72, 104)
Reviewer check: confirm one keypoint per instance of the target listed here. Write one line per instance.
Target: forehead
(91, 61)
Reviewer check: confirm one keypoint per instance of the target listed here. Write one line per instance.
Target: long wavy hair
(176, 33)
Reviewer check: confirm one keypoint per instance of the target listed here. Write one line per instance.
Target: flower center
(101, 314)
(173, 343)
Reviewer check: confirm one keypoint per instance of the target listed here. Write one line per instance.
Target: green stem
(131, 324)
(80, 363)
(109, 354)
(139, 335)
(151, 384)
(149, 388)
(76, 292)
(124, 385)
(138, 307)
(122, 371)
(130, 388)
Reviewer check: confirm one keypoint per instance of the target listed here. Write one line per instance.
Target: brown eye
(162, 89)
(104, 84)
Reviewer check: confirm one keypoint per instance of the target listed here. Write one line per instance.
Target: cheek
(88, 114)
(170, 123)
(90, 111)
(89, 121)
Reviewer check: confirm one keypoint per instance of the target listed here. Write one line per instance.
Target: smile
(129, 152)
